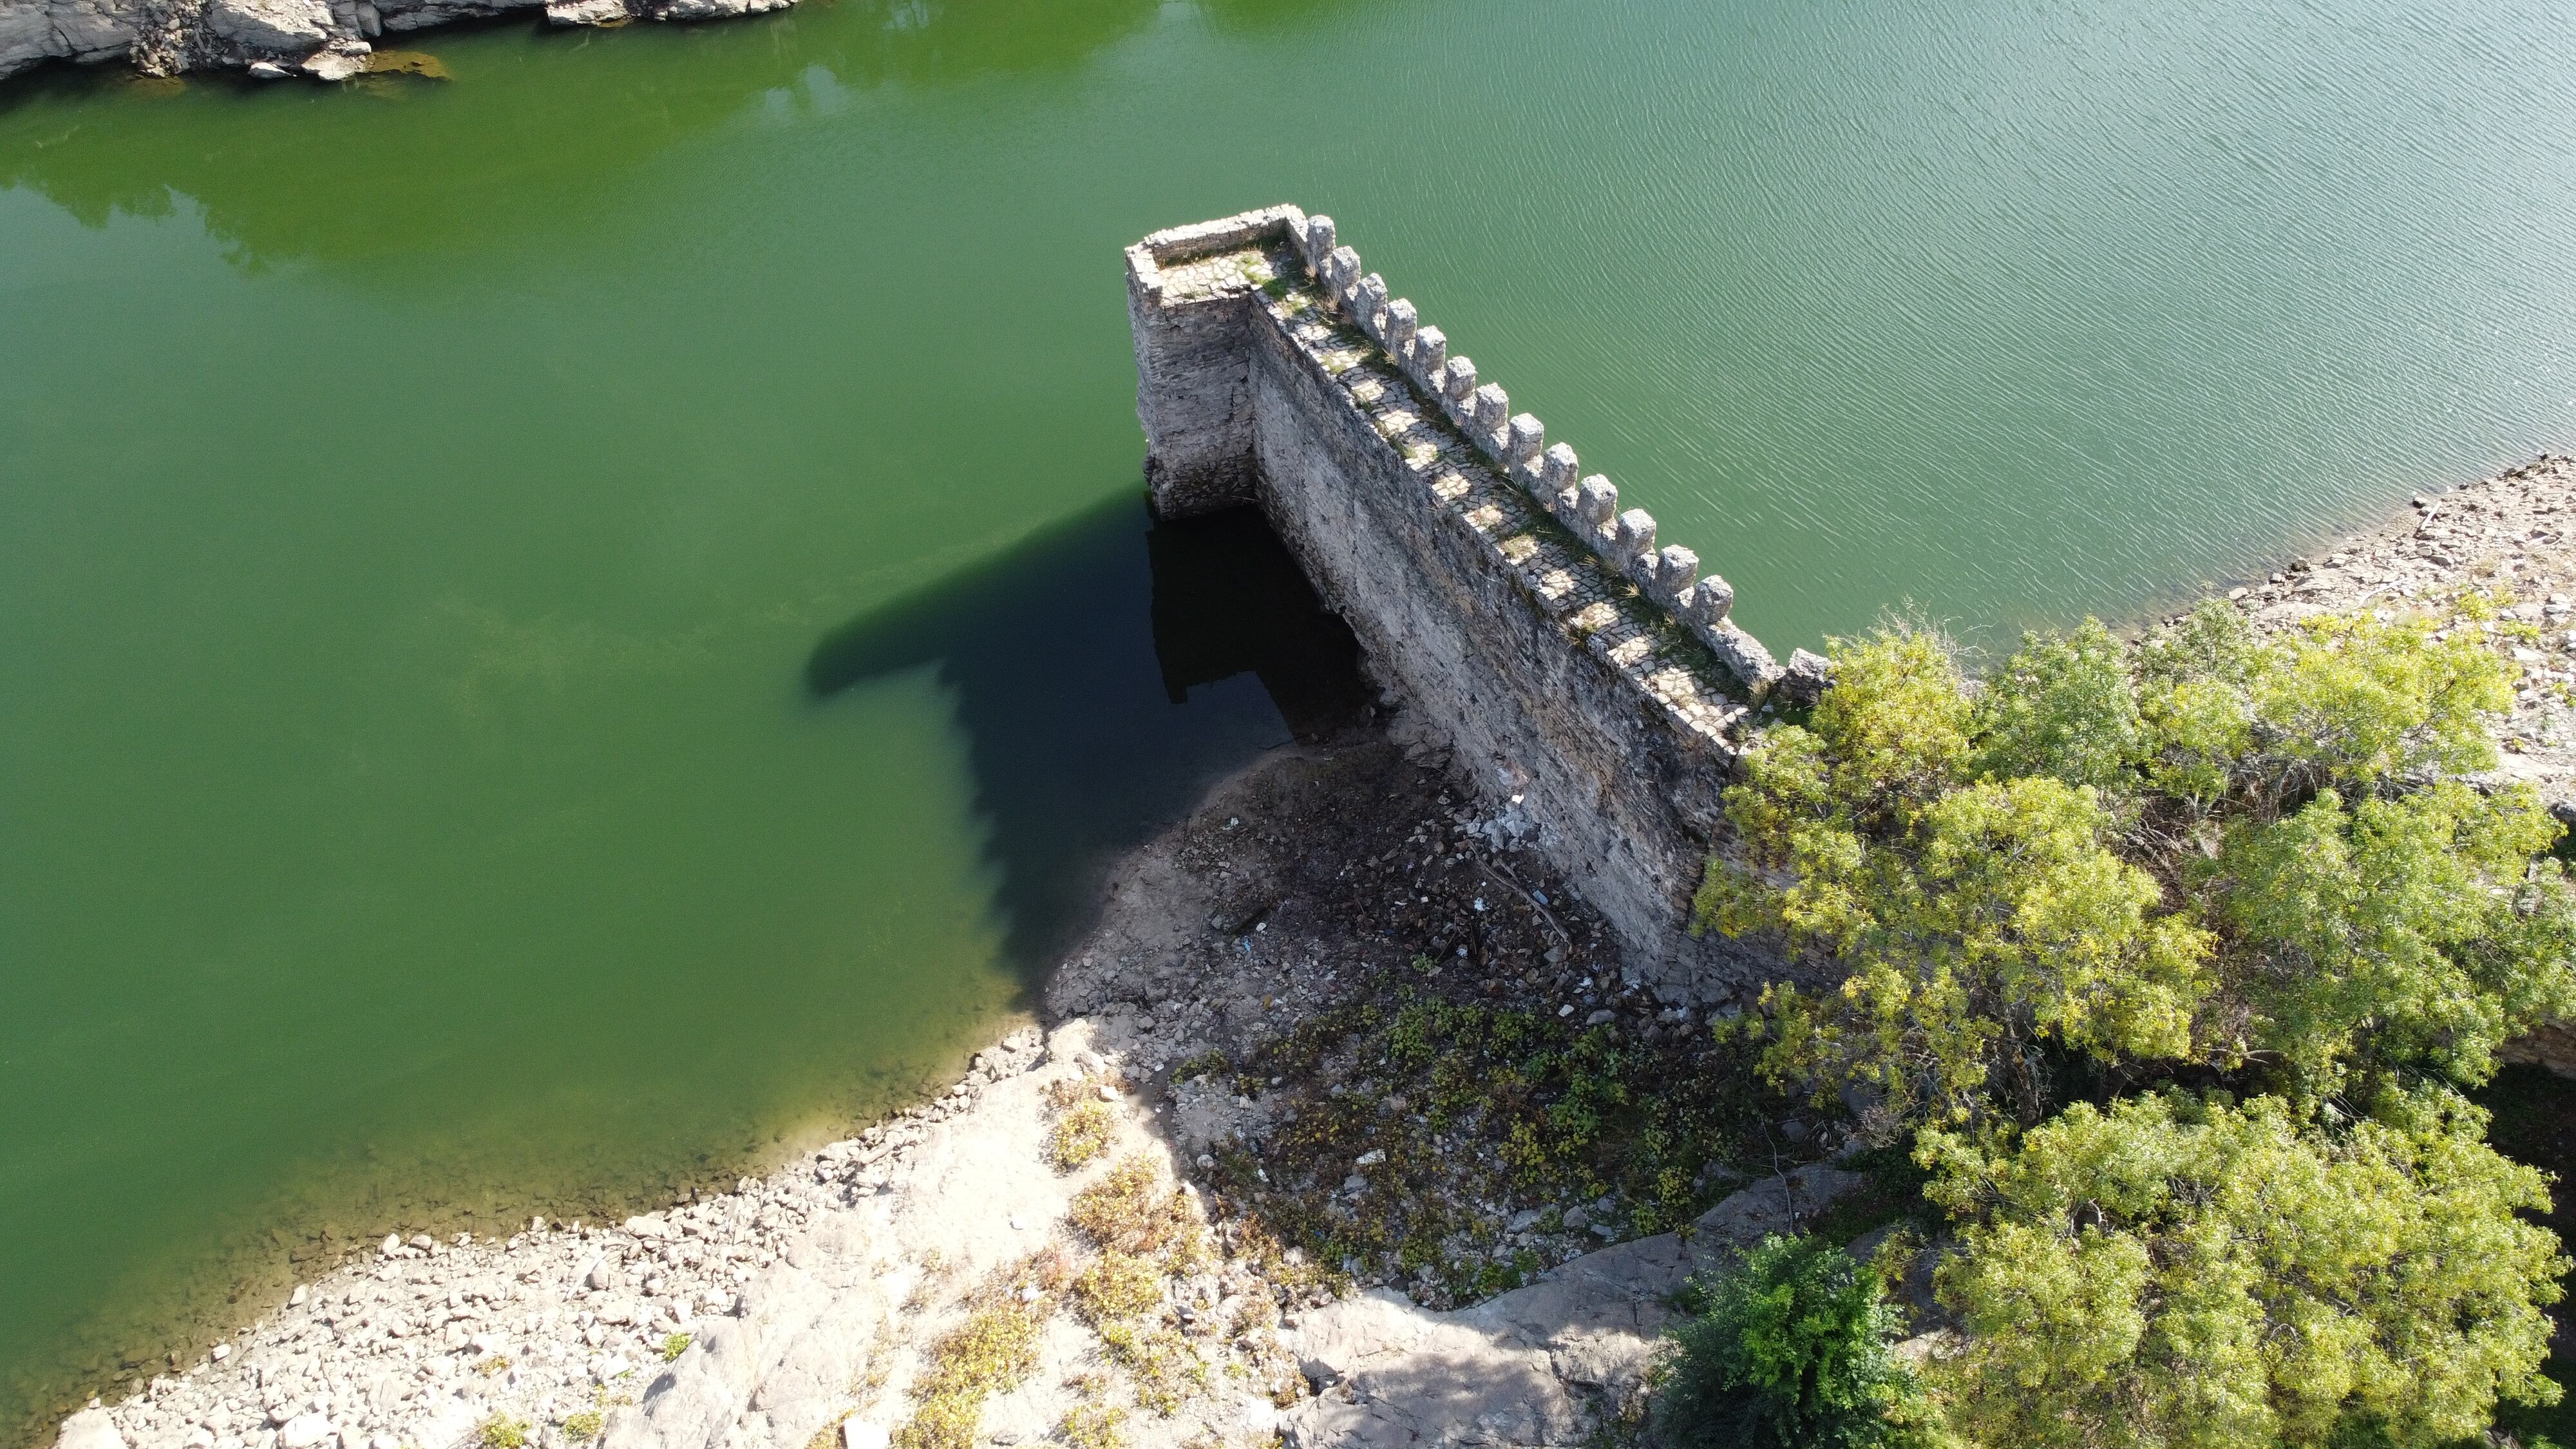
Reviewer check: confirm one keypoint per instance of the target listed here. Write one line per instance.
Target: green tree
(2204, 848)
(2189, 1273)
(1792, 1351)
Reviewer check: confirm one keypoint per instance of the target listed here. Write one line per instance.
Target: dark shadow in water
(1105, 672)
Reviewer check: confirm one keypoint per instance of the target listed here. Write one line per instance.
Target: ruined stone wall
(1591, 680)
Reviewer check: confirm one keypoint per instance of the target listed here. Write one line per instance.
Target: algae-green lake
(420, 503)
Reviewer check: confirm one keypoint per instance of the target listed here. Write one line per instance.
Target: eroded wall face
(1578, 703)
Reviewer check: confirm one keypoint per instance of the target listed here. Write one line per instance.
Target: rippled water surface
(422, 505)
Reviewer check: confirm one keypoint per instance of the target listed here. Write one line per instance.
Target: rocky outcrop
(321, 39)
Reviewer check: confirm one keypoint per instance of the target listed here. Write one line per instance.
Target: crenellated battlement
(1516, 444)
(1588, 670)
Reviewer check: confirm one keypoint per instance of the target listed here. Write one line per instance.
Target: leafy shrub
(992, 1351)
(674, 1346)
(1791, 1351)
(1095, 1426)
(502, 1432)
(2202, 852)
(2190, 1273)
(584, 1426)
(1130, 1211)
(1080, 1135)
(2208, 859)
(1117, 1285)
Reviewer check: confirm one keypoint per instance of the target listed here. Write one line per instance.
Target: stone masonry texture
(1585, 677)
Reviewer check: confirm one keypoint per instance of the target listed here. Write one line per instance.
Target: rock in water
(334, 65)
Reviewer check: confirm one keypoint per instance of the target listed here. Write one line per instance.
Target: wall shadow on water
(1106, 672)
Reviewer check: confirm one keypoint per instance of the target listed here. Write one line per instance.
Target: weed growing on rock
(1438, 1113)
(502, 1432)
(1130, 1211)
(583, 1427)
(1079, 1136)
(991, 1352)
(674, 1346)
(1164, 1368)
(1117, 1285)
(1094, 1426)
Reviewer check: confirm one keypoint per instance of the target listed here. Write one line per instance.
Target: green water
(420, 504)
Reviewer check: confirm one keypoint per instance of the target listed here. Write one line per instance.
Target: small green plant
(1095, 1426)
(1079, 1136)
(583, 1427)
(502, 1432)
(1165, 1369)
(1792, 1351)
(1117, 1285)
(992, 1351)
(674, 1346)
(496, 1364)
(1127, 1207)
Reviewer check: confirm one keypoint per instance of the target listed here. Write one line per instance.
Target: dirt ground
(1385, 1035)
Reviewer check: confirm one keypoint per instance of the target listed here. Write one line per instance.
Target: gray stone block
(1341, 273)
(1634, 537)
(1676, 569)
(1493, 407)
(1401, 322)
(1709, 602)
(1597, 498)
(1429, 358)
(1523, 437)
(1458, 382)
(1807, 677)
(1558, 468)
(1369, 308)
(1744, 654)
(1319, 242)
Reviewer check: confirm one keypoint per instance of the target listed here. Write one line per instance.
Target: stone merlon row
(1588, 506)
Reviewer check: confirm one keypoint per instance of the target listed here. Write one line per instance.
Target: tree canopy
(2174, 955)
(2179, 1271)
(2203, 852)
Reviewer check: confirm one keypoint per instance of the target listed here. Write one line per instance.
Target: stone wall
(1591, 679)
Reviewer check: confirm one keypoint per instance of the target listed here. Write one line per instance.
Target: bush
(1130, 1211)
(502, 1432)
(1792, 1351)
(1079, 1136)
(2209, 860)
(584, 1426)
(1095, 1426)
(1118, 1285)
(992, 1351)
(2202, 853)
(2186, 1272)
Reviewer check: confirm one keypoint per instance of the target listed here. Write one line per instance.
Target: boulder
(293, 25)
(90, 1429)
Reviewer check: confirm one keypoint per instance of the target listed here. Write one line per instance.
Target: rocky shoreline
(1226, 1074)
(810, 1307)
(325, 40)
